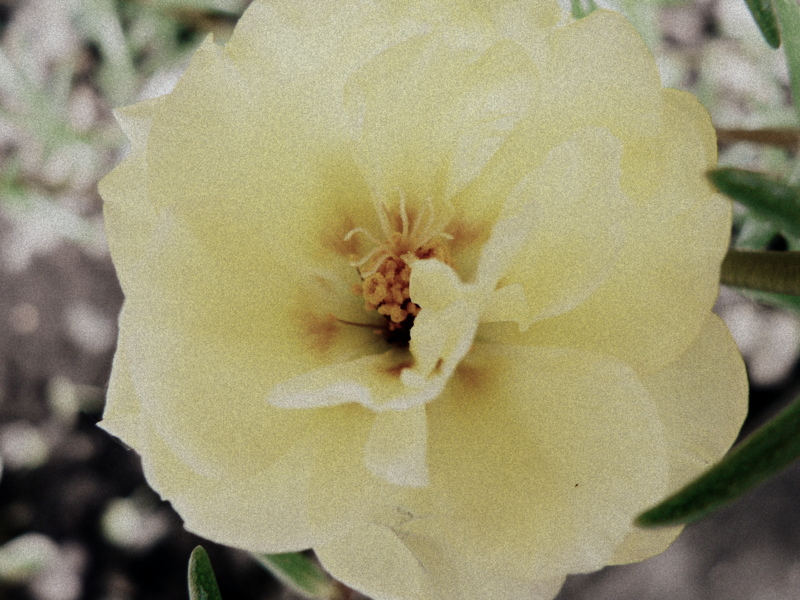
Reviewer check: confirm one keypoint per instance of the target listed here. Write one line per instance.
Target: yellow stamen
(386, 269)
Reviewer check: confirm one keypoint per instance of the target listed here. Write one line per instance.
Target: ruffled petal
(500, 89)
(701, 398)
(666, 172)
(652, 305)
(262, 511)
(129, 217)
(207, 342)
(559, 234)
(527, 22)
(595, 72)
(445, 326)
(375, 561)
(343, 492)
(457, 98)
(372, 381)
(564, 449)
(396, 449)
(235, 161)
(385, 563)
(600, 72)
(122, 411)
(310, 487)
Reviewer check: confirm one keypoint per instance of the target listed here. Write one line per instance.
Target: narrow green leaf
(771, 199)
(202, 583)
(786, 302)
(777, 272)
(764, 15)
(582, 8)
(788, 14)
(100, 22)
(302, 574)
(769, 450)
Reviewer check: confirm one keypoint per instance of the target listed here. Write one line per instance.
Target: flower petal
(457, 99)
(565, 448)
(122, 411)
(414, 83)
(202, 336)
(124, 190)
(701, 398)
(527, 22)
(711, 382)
(375, 561)
(559, 235)
(372, 381)
(445, 326)
(651, 306)
(595, 72)
(224, 153)
(453, 576)
(307, 490)
(500, 89)
(343, 492)
(666, 172)
(396, 449)
(262, 512)
(601, 73)
(383, 562)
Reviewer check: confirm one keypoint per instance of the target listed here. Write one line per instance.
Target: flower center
(386, 270)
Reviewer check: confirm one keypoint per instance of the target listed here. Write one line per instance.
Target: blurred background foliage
(77, 519)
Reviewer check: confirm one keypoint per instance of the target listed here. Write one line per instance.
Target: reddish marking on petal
(395, 370)
(320, 330)
(466, 234)
(333, 238)
(472, 377)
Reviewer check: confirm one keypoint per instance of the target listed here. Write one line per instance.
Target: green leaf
(776, 272)
(764, 15)
(582, 8)
(788, 13)
(771, 199)
(302, 574)
(770, 449)
(784, 301)
(99, 21)
(202, 583)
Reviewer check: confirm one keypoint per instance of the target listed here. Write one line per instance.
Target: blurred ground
(76, 517)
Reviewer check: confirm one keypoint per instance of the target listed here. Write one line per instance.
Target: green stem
(780, 137)
(777, 272)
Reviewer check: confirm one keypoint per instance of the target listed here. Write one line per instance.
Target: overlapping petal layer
(702, 407)
(560, 370)
(204, 502)
(386, 563)
(548, 436)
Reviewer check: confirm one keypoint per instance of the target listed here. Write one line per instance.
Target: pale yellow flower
(425, 286)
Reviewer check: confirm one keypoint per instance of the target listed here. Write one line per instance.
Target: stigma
(385, 270)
